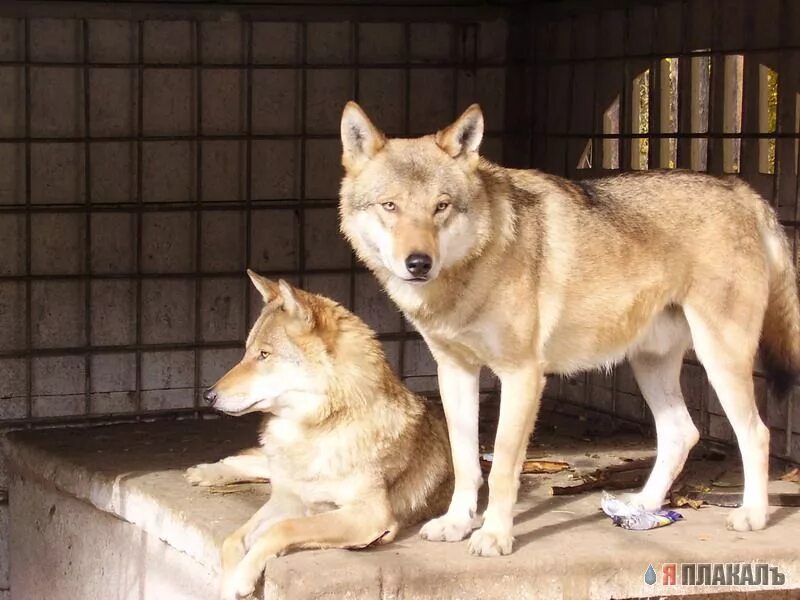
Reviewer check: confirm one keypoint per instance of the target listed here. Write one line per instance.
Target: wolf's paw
(235, 586)
(447, 528)
(206, 474)
(747, 518)
(641, 499)
(490, 543)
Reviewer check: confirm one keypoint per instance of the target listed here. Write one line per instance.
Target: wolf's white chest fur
(478, 340)
(316, 470)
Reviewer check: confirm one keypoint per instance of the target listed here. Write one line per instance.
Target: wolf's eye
(442, 206)
(389, 206)
(263, 354)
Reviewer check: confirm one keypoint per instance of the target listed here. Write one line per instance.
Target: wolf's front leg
(249, 466)
(352, 526)
(520, 396)
(458, 386)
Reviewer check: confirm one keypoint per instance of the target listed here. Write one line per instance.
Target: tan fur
(351, 454)
(534, 274)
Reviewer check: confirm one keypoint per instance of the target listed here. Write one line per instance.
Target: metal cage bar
(198, 212)
(87, 187)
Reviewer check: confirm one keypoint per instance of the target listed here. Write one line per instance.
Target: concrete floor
(565, 547)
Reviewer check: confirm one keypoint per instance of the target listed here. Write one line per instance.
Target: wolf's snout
(210, 396)
(419, 264)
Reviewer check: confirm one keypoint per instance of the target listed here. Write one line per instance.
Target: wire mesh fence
(149, 161)
(151, 152)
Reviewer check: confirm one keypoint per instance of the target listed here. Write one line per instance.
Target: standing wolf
(531, 274)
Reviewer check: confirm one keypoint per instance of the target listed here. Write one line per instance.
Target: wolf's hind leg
(658, 376)
(352, 526)
(726, 348)
(280, 506)
(249, 466)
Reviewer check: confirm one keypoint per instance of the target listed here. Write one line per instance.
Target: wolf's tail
(780, 335)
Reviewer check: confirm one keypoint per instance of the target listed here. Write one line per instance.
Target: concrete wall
(92, 554)
(163, 282)
(124, 281)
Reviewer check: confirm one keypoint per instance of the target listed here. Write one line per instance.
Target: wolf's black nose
(210, 395)
(419, 264)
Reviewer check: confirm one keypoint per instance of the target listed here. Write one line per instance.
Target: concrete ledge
(134, 472)
(565, 547)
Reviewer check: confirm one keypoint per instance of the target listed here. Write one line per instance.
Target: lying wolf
(351, 454)
(532, 274)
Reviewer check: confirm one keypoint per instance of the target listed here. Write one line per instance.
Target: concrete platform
(104, 512)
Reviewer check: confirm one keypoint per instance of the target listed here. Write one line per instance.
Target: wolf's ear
(464, 136)
(267, 288)
(361, 140)
(292, 303)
